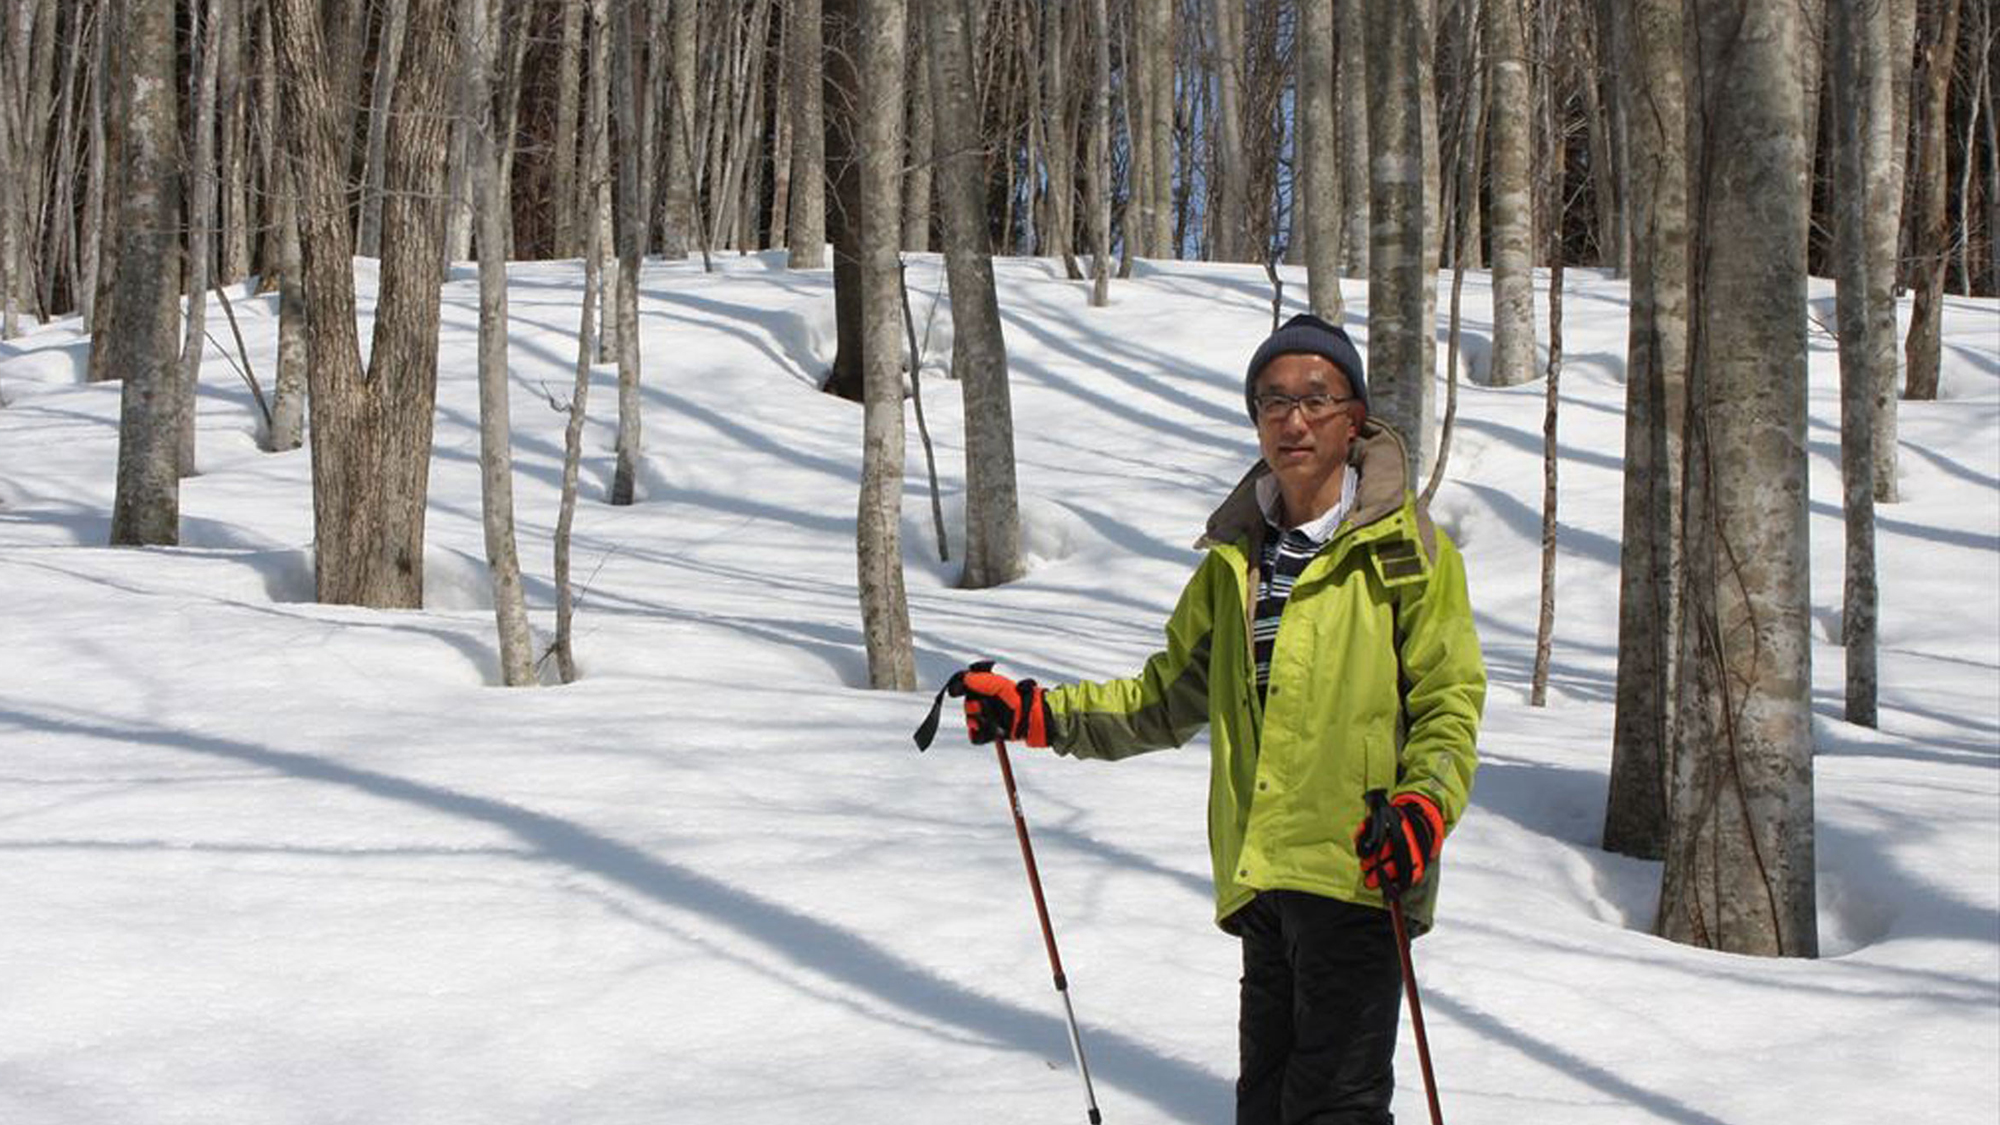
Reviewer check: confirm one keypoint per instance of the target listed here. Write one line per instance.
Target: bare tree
(979, 349)
(885, 611)
(1097, 174)
(395, 21)
(201, 221)
(920, 134)
(805, 220)
(1511, 223)
(1401, 341)
(1739, 866)
(1318, 193)
(680, 203)
(597, 163)
(1355, 191)
(1229, 238)
(1936, 48)
(842, 94)
(1635, 815)
(372, 426)
(496, 456)
(629, 233)
(146, 285)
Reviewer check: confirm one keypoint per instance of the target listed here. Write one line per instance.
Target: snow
(271, 861)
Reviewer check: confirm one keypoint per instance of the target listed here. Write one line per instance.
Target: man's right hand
(997, 707)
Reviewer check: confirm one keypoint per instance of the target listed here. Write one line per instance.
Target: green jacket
(1376, 681)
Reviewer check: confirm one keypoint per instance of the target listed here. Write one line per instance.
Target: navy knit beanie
(1307, 334)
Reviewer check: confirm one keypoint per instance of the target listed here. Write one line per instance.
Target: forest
(1715, 154)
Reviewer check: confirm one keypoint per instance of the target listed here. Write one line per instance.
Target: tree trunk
(805, 220)
(1400, 336)
(1230, 240)
(1097, 177)
(201, 222)
(597, 158)
(1635, 816)
(1935, 51)
(394, 23)
(1159, 18)
(146, 288)
(96, 215)
(842, 97)
(288, 396)
(1859, 30)
(236, 213)
(1739, 867)
(1356, 189)
(680, 202)
(783, 94)
(1318, 160)
(920, 134)
(979, 348)
(1511, 224)
(1545, 627)
(110, 158)
(629, 232)
(371, 428)
(885, 611)
(1059, 225)
(569, 204)
(496, 454)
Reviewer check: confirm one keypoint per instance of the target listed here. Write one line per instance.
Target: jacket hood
(1378, 453)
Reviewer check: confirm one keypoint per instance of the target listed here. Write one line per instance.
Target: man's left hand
(1398, 841)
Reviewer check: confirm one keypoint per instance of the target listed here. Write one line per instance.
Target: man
(1327, 643)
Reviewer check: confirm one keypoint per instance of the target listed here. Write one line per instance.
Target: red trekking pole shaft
(1048, 932)
(1416, 1006)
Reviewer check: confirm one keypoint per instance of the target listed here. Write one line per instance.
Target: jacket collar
(1378, 455)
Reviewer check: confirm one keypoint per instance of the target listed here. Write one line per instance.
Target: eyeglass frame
(1264, 401)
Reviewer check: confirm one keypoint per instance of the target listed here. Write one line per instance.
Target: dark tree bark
(144, 352)
(371, 427)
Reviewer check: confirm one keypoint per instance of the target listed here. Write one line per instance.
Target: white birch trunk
(1511, 224)
(1097, 177)
(1355, 191)
(1739, 874)
(630, 236)
(979, 348)
(496, 454)
(885, 611)
(1318, 193)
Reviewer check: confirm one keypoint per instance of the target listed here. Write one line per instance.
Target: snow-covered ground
(267, 861)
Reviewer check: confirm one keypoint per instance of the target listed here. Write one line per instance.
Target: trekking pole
(1048, 932)
(1378, 802)
(926, 731)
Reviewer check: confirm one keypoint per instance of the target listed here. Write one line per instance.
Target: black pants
(1321, 995)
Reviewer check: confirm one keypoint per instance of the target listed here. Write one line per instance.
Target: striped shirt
(1285, 555)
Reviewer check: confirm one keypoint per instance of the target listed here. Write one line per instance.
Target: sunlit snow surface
(267, 861)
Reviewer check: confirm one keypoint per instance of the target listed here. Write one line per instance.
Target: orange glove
(997, 707)
(1398, 840)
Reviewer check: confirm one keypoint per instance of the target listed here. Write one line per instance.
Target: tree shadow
(1179, 1089)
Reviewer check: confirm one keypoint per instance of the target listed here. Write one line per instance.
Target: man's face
(1305, 452)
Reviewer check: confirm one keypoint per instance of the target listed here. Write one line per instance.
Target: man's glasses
(1272, 406)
